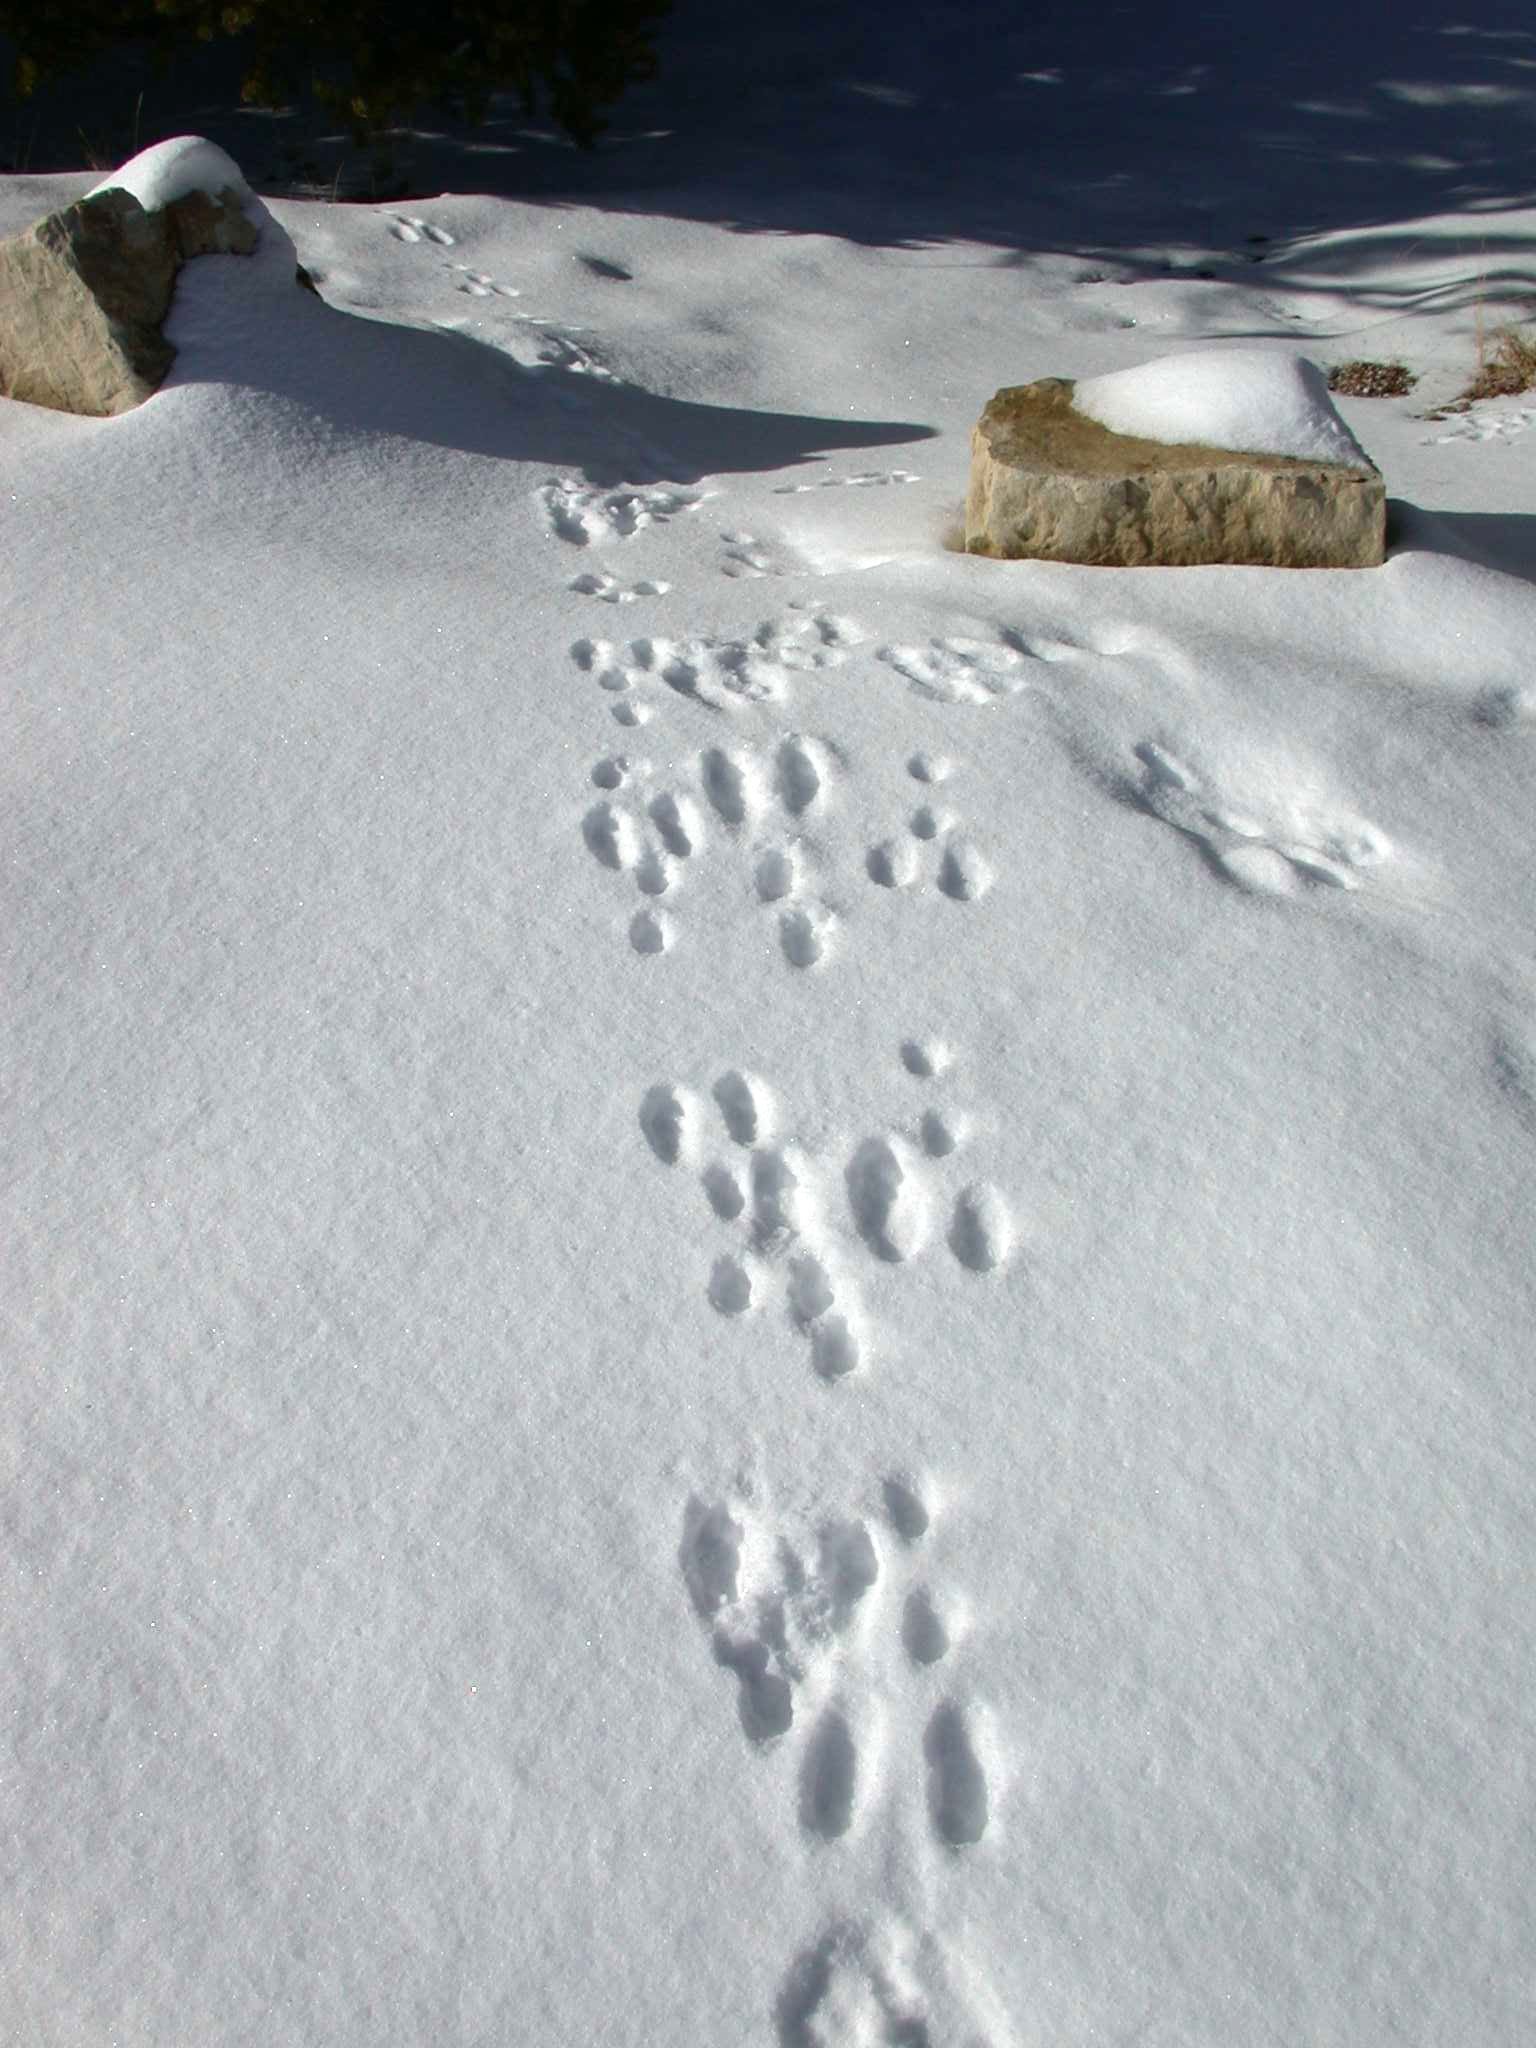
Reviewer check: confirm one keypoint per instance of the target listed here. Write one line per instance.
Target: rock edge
(84, 293)
(1049, 484)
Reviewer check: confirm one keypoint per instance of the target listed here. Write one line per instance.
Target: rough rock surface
(84, 293)
(1049, 484)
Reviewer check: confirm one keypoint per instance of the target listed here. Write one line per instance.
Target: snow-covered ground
(761, 1285)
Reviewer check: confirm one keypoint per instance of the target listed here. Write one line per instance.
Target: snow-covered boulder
(1225, 456)
(84, 292)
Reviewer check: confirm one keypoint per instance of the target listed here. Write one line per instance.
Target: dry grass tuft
(1505, 369)
(1371, 380)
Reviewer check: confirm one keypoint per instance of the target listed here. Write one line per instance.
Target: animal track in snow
(583, 514)
(594, 583)
(879, 1984)
(408, 227)
(479, 286)
(960, 671)
(776, 1623)
(541, 344)
(764, 1192)
(717, 672)
(746, 555)
(961, 873)
(1482, 424)
(649, 838)
(958, 1802)
(862, 480)
(805, 1643)
(772, 1196)
(1267, 844)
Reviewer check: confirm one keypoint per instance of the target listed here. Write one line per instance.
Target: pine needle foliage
(372, 62)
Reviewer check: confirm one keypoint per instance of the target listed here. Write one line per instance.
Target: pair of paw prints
(1269, 845)
(583, 514)
(755, 670)
(763, 1191)
(958, 871)
(800, 1632)
(757, 799)
(409, 227)
(597, 583)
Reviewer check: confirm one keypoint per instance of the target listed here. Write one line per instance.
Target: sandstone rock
(84, 293)
(1048, 483)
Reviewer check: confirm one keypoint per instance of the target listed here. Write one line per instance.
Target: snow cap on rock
(169, 171)
(1255, 401)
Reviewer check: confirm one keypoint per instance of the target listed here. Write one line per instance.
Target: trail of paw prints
(1267, 848)
(409, 227)
(583, 514)
(932, 843)
(766, 1194)
(799, 1629)
(596, 583)
(774, 1199)
(718, 673)
(761, 801)
(861, 480)
(961, 671)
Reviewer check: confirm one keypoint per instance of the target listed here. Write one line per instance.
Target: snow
(761, 1284)
(168, 171)
(1260, 402)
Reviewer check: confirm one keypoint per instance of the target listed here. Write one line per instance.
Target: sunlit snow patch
(1259, 401)
(159, 176)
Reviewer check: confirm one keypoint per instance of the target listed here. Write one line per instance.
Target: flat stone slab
(85, 291)
(1049, 484)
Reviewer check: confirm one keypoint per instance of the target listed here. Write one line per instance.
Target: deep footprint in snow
(829, 1777)
(888, 1201)
(958, 1800)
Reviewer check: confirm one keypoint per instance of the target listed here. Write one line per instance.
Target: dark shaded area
(1498, 540)
(1181, 135)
